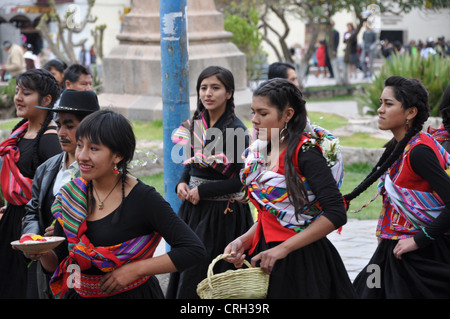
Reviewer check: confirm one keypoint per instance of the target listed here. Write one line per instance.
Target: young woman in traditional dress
(210, 185)
(442, 133)
(31, 143)
(113, 222)
(412, 259)
(296, 193)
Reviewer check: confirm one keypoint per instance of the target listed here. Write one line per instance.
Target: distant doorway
(392, 35)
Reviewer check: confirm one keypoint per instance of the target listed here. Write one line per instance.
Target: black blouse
(229, 185)
(48, 146)
(144, 211)
(433, 173)
(314, 168)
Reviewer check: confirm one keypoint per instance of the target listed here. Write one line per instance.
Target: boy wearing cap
(57, 170)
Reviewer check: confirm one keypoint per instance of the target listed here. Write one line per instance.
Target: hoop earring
(284, 129)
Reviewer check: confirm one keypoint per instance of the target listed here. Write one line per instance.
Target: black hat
(73, 101)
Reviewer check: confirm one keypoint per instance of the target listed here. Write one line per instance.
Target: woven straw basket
(249, 283)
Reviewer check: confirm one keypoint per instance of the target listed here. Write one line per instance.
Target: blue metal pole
(175, 86)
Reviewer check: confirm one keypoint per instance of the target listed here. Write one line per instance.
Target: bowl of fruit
(37, 244)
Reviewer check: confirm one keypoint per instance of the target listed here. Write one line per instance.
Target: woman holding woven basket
(295, 189)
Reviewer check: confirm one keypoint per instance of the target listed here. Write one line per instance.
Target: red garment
(320, 55)
(16, 187)
(268, 223)
(406, 178)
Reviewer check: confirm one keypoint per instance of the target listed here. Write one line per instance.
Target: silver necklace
(100, 204)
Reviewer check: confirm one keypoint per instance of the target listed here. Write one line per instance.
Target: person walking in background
(32, 142)
(210, 187)
(412, 254)
(93, 56)
(15, 63)
(84, 57)
(112, 231)
(368, 50)
(353, 47)
(386, 49)
(320, 56)
(335, 47)
(441, 47)
(298, 200)
(31, 59)
(56, 171)
(429, 50)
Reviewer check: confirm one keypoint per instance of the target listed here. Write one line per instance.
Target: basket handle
(221, 256)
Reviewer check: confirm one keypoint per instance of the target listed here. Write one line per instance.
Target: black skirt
(13, 264)
(216, 228)
(315, 271)
(423, 273)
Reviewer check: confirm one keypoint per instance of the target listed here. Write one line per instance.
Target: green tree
(320, 12)
(433, 72)
(241, 19)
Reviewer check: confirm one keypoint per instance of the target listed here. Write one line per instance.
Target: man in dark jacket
(334, 52)
(56, 171)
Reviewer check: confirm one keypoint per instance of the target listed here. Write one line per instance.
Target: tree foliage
(315, 13)
(433, 73)
(241, 19)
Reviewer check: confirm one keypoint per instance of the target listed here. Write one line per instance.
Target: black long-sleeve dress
(13, 264)
(314, 271)
(216, 221)
(422, 273)
(144, 211)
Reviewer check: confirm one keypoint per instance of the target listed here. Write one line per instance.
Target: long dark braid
(411, 93)
(45, 84)
(282, 94)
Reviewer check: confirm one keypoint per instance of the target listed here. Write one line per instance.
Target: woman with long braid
(413, 256)
(442, 133)
(113, 222)
(209, 187)
(32, 142)
(298, 200)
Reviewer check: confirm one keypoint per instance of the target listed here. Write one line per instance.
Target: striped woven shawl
(418, 208)
(70, 209)
(201, 152)
(16, 187)
(440, 134)
(268, 188)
